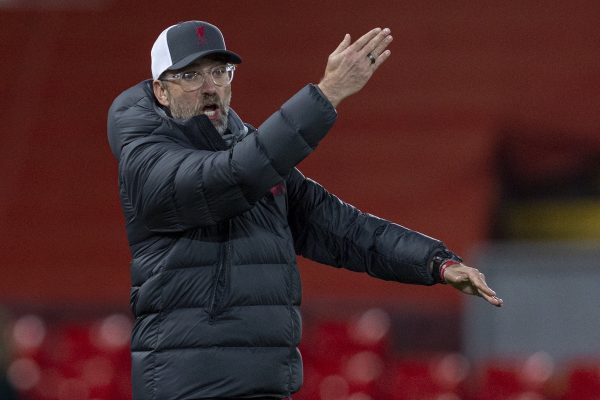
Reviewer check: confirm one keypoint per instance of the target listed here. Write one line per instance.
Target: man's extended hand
(470, 281)
(350, 66)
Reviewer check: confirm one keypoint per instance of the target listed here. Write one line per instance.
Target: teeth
(210, 113)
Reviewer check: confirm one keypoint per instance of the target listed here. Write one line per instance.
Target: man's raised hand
(351, 65)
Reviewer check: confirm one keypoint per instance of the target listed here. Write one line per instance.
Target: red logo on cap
(200, 34)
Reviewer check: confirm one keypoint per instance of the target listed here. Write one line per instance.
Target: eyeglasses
(189, 81)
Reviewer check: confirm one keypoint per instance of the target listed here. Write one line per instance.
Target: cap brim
(229, 56)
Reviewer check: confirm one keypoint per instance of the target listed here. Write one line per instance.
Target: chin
(221, 128)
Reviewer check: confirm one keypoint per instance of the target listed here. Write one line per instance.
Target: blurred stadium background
(482, 129)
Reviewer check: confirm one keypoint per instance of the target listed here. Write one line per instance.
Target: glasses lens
(191, 81)
(222, 75)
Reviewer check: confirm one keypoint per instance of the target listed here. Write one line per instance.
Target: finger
(479, 281)
(381, 40)
(380, 48)
(381, 59)
(343, 44)
(483, 290)
(494, 300)
(364, 39)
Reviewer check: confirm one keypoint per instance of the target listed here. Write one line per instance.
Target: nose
(208, 86)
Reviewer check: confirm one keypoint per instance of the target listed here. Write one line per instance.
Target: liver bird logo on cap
(200, 34)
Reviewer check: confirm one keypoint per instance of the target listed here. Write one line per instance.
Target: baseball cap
(181, 44)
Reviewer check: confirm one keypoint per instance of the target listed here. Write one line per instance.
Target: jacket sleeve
(173, 187)
(332, 232)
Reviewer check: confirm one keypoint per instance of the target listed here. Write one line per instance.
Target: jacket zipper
(221, 280)
(223, 268)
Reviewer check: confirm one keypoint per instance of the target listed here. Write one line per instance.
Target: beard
(181, 110)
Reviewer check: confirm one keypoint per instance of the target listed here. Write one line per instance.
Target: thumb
(343, 44)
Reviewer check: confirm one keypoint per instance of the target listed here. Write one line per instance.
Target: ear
(160, 92)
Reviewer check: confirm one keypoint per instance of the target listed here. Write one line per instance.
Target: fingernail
(386, 30)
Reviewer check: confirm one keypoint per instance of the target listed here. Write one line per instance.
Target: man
(216, 213)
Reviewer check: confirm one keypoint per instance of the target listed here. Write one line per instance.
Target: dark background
(469, 84)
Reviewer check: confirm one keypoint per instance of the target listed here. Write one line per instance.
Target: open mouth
(211, 110)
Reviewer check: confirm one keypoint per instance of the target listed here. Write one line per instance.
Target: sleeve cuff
(439, 259)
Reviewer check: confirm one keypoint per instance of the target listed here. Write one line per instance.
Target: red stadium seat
(425, 377)
(523, 378)
(583, 382)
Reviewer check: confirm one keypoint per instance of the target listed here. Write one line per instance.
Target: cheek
(186, 99)
(225, 95)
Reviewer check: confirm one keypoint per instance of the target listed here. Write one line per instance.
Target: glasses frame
(178, 77)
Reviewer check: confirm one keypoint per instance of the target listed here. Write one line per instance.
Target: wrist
(329, 94)
(446, 264)
(443, 258)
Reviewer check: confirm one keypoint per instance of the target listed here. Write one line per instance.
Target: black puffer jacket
(214, 232)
